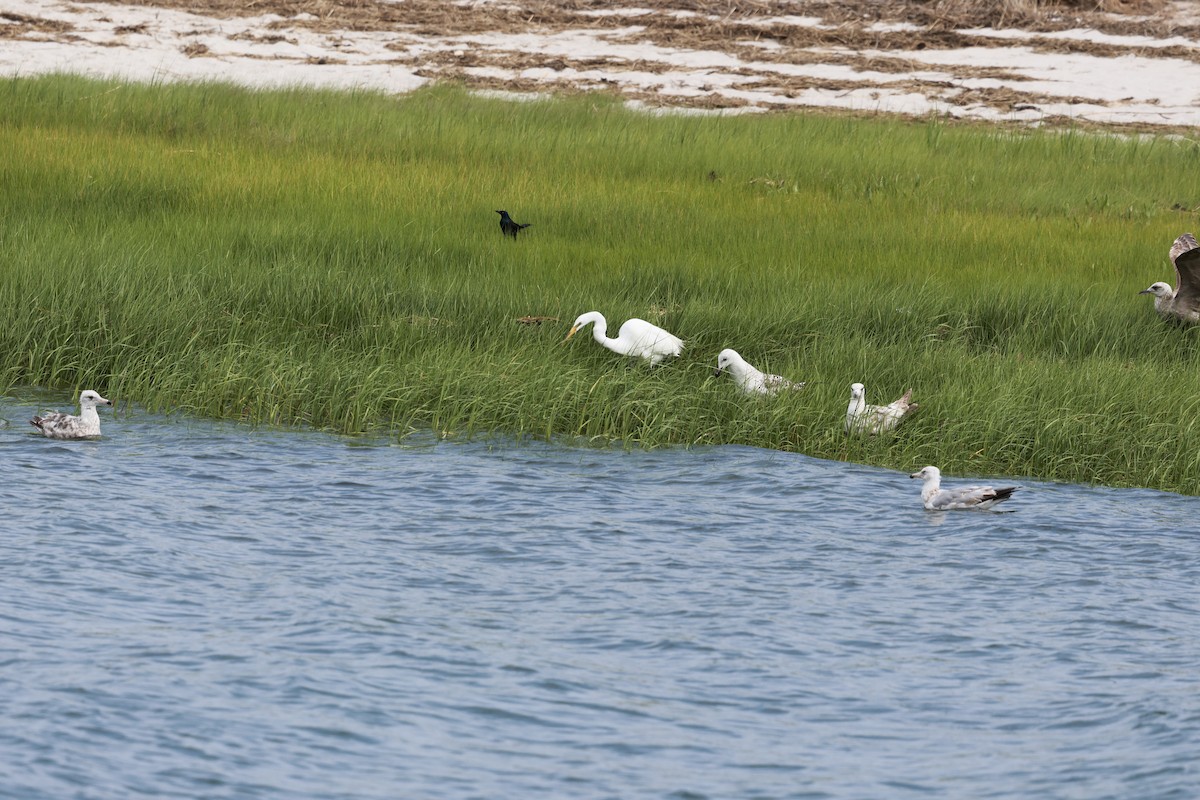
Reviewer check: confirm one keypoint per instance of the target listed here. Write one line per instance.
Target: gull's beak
(915, 475)
(717, 372)
(1145, 291)
(569, 335)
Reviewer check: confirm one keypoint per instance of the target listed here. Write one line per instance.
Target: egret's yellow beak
(569, 335)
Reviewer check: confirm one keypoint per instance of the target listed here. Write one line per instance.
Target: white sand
(1132, 88)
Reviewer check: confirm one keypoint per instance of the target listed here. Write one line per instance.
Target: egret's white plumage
(58, 425)
(636, 337)
(749, 379)
(936, 498)
(862, 418)
(1182, 303)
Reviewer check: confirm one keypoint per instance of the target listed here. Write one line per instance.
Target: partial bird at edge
(1182, 303)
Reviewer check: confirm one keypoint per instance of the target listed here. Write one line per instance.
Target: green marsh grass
(334, 260)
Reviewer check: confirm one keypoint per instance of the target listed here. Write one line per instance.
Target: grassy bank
(335, 260)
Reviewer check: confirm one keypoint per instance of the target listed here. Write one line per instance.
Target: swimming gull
(1182, 303)
(636, 338)
(862, 418)
(936, 498)
(749, 379)
(58, 425)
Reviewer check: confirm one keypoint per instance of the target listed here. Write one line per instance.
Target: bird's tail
(37, 422)
(905, 405)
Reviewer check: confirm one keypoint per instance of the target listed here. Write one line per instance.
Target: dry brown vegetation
(707, 21)
(14, 25)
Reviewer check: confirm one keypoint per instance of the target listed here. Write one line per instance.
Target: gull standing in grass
(636, 338)
(862, 418)
(749, 379)
(936, 498)
(1182, 303)
(58, 425)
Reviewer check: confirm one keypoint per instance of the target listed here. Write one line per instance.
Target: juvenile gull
(862, 418)
(936, 498)
(636, 338)
(58, 425)
(749, 379)
(1182, 303)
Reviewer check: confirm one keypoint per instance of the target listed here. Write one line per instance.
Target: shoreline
(335, 260)
(1095, 69)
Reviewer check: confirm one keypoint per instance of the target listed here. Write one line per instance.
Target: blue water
(202, 610)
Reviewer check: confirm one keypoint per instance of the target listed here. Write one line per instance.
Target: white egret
(58, 425)
(936, 498)
(636, 337)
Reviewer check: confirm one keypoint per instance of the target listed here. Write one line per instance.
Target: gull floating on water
(749, 379)
(1182, 303)
(58, 425)
(936, 498)
(862, 418)
(636, 338)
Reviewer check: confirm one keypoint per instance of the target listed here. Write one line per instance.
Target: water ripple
(203, 610)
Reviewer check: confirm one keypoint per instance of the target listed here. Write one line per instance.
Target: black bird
(508, 226)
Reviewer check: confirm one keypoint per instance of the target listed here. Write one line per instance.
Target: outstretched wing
(1185, 255)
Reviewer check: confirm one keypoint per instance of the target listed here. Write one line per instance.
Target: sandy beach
(1126, 70)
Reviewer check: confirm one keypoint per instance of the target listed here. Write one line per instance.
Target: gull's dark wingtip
(1005, 493)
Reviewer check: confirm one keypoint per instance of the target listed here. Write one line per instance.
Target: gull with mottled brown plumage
(750, 379)
(863, 418)
(1182, 303)
(57, 425)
